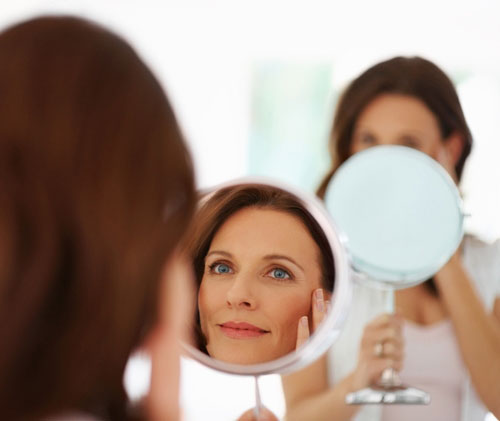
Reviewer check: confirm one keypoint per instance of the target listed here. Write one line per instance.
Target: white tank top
(441, 377)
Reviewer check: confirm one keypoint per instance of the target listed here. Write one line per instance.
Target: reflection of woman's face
(394, 119)
(260, 271)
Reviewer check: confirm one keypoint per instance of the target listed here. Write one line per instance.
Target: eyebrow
(267, 257)
(224, 253)
(279, 256)
(412, 132)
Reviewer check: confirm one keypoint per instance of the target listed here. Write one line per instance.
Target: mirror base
(392, 395)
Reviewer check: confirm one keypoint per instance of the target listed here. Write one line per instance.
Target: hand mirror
(402, 214)
(261, 250)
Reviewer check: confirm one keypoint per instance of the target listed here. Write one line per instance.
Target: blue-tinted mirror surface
(400, 211)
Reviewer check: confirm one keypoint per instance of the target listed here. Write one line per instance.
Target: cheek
(297, 306)
(211, 296)
(434, 151)
(355, 147)
(206, 300)
(429, 149)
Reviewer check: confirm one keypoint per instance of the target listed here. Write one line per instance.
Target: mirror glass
(401, 212)
(272, 277)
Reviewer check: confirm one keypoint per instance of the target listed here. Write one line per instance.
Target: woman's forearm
(478, 333)
(329, 405)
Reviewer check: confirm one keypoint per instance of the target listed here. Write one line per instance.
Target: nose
(240, 295)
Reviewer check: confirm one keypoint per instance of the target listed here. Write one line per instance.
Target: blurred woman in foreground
(96, 191)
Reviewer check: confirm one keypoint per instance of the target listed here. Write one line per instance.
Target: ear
(454, 145)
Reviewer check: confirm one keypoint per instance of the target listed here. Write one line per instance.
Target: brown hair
(96, 190)
(413, 76)
(227, 201)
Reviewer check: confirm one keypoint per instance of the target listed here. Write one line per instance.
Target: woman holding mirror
(411, 102)
(96, 191)
(264, 269)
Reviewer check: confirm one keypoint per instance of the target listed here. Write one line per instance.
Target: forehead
(397, 112)
(273, 231)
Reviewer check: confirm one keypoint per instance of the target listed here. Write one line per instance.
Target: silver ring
(378, 350)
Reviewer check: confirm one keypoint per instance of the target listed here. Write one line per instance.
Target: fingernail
(320, 304)
(303, 321)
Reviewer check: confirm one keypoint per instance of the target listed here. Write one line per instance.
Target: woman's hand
(264, 415)
(175, 309)
(319, 308)
(381, 347)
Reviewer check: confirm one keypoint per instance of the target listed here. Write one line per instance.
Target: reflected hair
(221, 205)
(96, 191)
(412, 76)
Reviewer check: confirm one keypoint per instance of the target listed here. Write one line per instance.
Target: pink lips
(241, 330)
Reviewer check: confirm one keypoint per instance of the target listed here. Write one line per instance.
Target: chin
(243, 358)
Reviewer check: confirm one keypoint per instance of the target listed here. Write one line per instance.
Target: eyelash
(367, 139)
(410, 142)
(213, 265)
(290, 276)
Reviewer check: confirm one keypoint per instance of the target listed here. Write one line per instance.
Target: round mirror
(401, 212)
(272, 275)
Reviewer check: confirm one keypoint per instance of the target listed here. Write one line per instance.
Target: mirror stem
(258, 403)
(390, 377)
(389, 301)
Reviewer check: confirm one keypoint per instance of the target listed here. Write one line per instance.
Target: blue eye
(280, 274)
(220, 268)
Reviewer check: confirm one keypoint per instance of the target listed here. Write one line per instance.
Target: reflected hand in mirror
(319, 308)
(262, 264)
